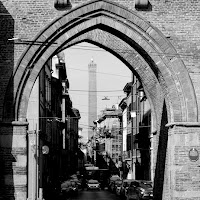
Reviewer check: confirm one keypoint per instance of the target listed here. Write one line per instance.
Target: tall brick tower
(92, 97)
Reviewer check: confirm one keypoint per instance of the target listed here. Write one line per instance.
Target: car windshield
(146, 185)
(113, 178)
(126, 184)
(73, 183)
(93, 181)
(118, 183)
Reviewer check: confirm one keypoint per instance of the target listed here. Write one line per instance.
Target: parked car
(144, 188)
(111, 185)
(118, 185)
(132, 193)
(73, 188)
(65, 188)
(124, 186)
(114, 177)
(93, 184)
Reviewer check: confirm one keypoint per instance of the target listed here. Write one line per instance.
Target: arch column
(13, 164)
(182, 174)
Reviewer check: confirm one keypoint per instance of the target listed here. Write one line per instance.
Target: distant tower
(92, 98)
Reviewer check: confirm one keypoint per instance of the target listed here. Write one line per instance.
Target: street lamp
(105, 98)
(28, 42)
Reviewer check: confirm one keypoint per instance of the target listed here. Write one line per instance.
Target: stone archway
(148, 41)
(150, 55)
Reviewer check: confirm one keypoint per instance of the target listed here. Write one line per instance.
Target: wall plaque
(193, 155)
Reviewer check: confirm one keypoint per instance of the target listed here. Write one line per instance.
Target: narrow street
(95, 195)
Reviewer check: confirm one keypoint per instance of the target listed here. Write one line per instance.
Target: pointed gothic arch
(148, 43)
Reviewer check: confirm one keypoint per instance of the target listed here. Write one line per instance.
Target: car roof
(93, 181)
(128, 180)
(144, 183)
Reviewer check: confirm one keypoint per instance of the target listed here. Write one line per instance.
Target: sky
(112, 76)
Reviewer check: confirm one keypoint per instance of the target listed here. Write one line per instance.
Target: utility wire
(126, 51)
(112, 129)
(99, 95)
(122, 50)
(99, 72)
(97, 90)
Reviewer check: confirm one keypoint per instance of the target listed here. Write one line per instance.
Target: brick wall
(181, 172)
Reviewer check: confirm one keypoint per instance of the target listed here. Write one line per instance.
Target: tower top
(92, 64)
(92, 61)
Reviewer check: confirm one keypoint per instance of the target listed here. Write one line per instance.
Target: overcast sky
(112, 76)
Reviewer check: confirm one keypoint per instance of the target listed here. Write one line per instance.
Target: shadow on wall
(113, 168)
(7, 160)
(103, 163)
(161, 157)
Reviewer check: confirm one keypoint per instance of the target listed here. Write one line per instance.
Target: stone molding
(186, 124)
(14, 123)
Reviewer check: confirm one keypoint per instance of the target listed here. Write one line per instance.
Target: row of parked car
(128, 189)
(70, 187)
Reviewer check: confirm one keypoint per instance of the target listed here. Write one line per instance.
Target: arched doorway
(142, 47)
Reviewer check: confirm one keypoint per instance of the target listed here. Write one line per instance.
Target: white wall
(33, 107)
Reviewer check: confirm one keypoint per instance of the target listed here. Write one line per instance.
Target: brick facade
(161, 44)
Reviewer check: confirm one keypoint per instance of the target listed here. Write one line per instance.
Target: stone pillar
(182, 169)
(13, 160)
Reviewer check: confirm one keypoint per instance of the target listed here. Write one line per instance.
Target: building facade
(136, 128)
(53, 130)
(40, 131)
(109, 137)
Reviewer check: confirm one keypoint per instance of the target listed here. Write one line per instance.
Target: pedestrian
(83, 183)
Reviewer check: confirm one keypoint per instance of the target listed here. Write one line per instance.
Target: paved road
(95, 195)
